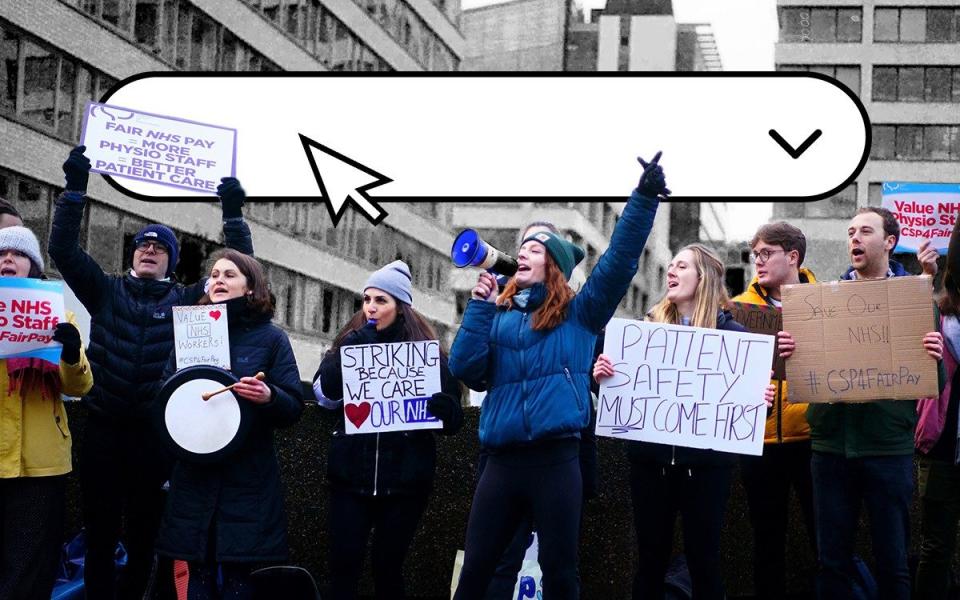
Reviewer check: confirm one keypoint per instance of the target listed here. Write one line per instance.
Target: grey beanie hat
(395, 280)
(22, 239)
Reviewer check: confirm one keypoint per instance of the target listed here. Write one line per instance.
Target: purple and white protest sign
(160, 149)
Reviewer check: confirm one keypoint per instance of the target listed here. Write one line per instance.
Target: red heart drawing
(357, 413)
(215, 314)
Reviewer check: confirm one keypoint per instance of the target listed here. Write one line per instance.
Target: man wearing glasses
(123, 463)
(778, 252)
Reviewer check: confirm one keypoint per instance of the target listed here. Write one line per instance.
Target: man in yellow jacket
(778, 252)
(34, 441)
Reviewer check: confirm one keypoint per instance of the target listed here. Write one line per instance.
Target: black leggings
(394, 520)
(699, 494)
(542, 481)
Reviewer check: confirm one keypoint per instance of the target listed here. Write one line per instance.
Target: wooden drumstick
(207, 395)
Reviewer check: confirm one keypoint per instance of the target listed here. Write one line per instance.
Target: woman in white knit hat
(380, 481)
(34, 441)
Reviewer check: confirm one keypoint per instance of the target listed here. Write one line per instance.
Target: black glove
(77, 170)
(231, 197)
(365, 335)
(69, 336)
(448, 409)
(652, 183)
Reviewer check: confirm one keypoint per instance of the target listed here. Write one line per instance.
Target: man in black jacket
(123, 465)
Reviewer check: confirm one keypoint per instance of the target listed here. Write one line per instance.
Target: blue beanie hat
(395, 280)
(164, 235)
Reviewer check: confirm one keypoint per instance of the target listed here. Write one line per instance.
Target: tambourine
(199, 430)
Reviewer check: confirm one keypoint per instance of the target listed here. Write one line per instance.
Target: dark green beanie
(566, 255)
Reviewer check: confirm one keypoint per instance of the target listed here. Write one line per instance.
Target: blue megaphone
(470, 251)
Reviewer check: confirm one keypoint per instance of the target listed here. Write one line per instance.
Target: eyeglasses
(763, 256)
(157, 246)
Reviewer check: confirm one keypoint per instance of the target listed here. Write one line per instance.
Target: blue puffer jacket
(538, 382)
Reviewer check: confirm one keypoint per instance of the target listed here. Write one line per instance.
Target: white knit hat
(22, 239)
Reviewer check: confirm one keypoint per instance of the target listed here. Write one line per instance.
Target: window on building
(849, 25)
(146, 24)
(821, 24)
(327, 310)
(937, 84)
(66, 99)
(40, 87)
(886, 25)
(910, 84)
(913, 24)
(9, 67)
(885, 84)
(910, 141)
(941, 25)
(883, 145)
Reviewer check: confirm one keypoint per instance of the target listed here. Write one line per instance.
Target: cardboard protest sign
(201, 336)
(386, 386)
(858, 341)
(925, 211)
(29, 311)
(164, 150)
(685, 386)
(763, 319)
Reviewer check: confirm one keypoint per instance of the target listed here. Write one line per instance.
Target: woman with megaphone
(380, 481)
(531, 349)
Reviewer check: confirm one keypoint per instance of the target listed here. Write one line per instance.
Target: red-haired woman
(531, 348)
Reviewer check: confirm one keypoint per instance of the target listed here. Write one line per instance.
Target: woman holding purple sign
(35, 441)
(666, 479)
(380, 481)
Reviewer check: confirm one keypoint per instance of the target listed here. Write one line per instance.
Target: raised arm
(610, 279)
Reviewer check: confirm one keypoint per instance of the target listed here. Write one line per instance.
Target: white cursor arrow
(343, 181)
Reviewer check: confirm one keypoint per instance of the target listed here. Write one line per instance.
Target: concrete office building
(902, 58)
(57, 54)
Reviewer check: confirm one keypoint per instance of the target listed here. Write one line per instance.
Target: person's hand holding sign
(603, 368)
(254, 390)
(927, 256)
(933, 344)
(786, 344)
(76, 170)
(69, 338)
(771, 392)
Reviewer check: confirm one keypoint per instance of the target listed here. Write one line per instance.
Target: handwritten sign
(858, 341)
(685, 386)
(201, 336)
(925, 211)
(386, 386)
(763, 319)
(164, 150)
(30, 309)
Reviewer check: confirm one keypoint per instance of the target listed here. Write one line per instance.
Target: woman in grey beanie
(380, 480)
(35, 453)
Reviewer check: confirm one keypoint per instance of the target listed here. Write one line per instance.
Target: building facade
(902, 58)
(55, 55)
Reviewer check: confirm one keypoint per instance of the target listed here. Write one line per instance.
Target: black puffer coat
(131, 319)
(240, 498)
(381, 464)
